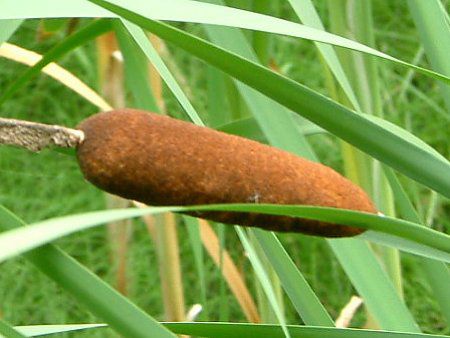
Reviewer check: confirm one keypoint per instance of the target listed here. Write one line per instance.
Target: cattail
(160, 161)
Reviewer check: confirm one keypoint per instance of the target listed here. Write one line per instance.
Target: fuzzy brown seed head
(158, 160)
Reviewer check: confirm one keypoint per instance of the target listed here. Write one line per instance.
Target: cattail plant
(362, 112)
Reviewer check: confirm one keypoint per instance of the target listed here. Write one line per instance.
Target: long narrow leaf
(381, 298)
(263, 278)
(406, 246)
(7, 331)
(193, 230)
(430, 18)
(276, 122)
(437, 273)
(300, 293)
(247, 127)
(136, 80)
(97, 296)
(193, 11)
(307, 13)
(43, 330)
(7, 28)
(240, 330)
(17, 241)
(151, 53)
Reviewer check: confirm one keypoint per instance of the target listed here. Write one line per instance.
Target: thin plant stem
(37, 136)
(166, 228)
(169, 268)
(111, 79)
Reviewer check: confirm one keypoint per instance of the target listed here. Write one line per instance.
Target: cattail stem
(37, 136)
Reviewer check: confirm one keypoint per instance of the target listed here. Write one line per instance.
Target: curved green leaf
(405, 245)
(238, 330)
(20, 240)
(96, 295)
(43, 330)
(405, 135)
(192, 11)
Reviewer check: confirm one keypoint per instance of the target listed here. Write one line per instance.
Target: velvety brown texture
(158, 160)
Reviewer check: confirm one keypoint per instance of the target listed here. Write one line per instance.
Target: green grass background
(48, 184)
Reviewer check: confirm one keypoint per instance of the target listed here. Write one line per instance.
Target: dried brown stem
(348, 312)
(36, 136)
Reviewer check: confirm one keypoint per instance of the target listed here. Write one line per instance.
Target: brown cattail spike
(158, 160)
